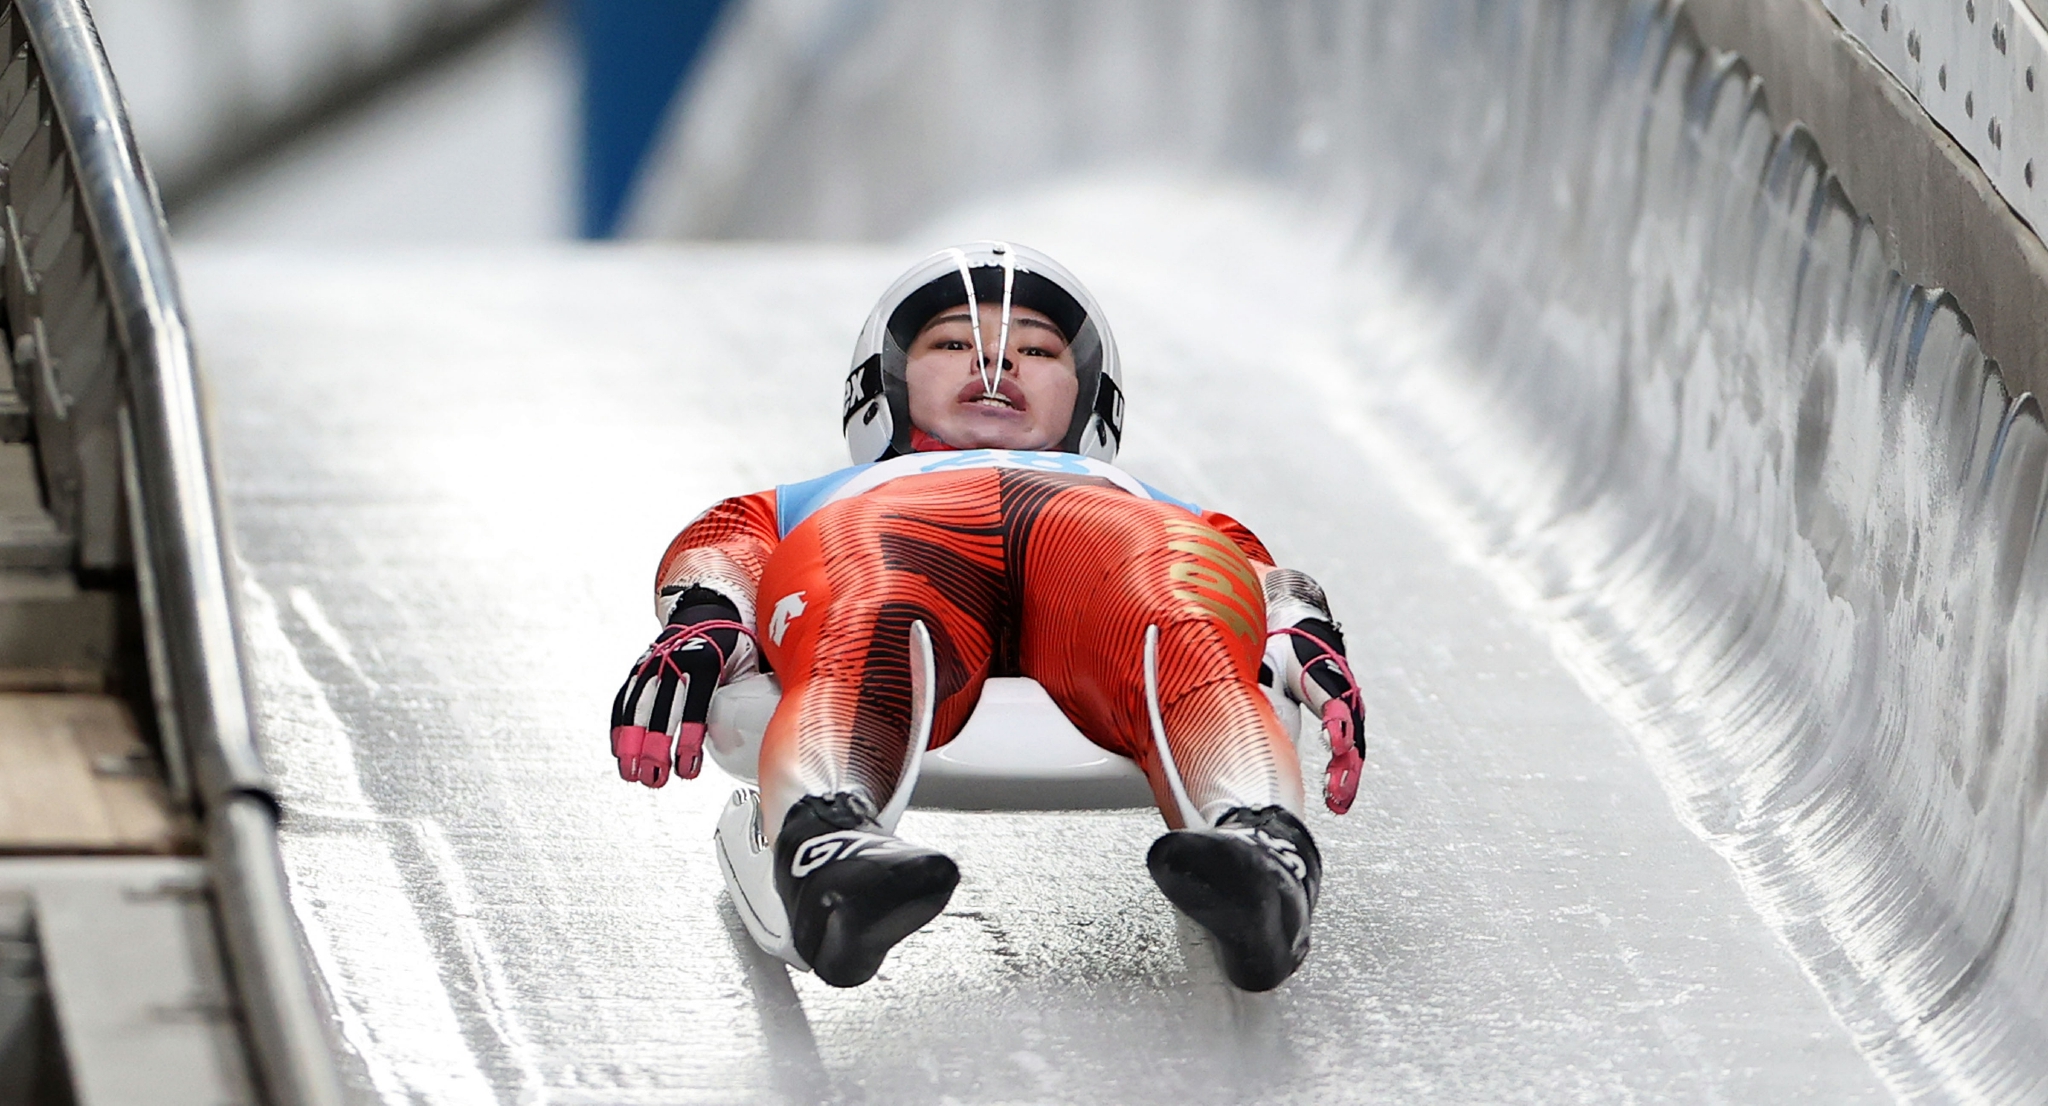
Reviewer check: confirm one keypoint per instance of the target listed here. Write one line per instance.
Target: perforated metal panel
(1980, 68)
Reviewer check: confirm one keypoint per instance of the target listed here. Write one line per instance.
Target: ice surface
(449, 477)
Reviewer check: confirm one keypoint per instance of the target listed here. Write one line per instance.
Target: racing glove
(1306, 657)
(1321, 680)
(658, 716)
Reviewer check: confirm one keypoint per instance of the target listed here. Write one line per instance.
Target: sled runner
(1017, 752)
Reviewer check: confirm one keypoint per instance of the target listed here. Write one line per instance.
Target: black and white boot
(851, 890)
(1251, 881)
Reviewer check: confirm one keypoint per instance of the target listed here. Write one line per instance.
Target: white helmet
(876, 414)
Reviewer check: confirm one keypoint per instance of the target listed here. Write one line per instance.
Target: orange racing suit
(1047, 565)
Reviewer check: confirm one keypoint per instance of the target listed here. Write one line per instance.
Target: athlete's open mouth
(1006, 397)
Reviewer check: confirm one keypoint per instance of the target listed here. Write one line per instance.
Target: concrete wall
(1942, 221)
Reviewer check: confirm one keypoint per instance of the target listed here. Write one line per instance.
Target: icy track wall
(1782, 512)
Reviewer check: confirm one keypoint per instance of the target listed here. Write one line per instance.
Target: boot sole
(855, 942)
(1227, 890)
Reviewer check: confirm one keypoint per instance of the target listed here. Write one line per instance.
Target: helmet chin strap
(989, 384)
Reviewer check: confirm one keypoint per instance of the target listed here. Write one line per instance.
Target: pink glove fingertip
(1340, 785)
(690, 750)
(626, 747)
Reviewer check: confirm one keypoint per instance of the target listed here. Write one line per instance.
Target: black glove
(667, 695)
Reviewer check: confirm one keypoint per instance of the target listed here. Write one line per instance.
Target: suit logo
(786, 608)
(1213, 578)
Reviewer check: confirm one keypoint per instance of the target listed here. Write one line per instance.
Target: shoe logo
(841, 845)
(1282, 849)
(788, 607)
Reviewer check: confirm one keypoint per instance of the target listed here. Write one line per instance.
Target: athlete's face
(1033, 401)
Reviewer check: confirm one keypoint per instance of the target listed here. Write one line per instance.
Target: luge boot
(851, 890)
(1251, 881)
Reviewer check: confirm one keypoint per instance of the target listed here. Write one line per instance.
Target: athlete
(982, 413)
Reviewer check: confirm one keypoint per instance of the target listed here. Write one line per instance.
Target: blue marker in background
(635, 55)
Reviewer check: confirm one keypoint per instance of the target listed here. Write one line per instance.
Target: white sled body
(1018, 751)
(746, 858)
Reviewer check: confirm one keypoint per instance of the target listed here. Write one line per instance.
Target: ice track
(1689, 558)
(449, 478)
